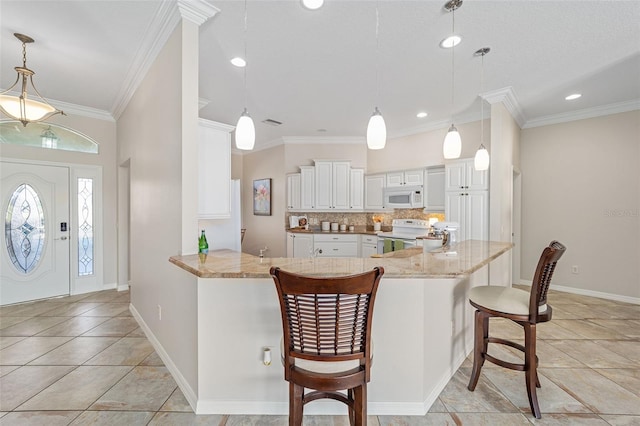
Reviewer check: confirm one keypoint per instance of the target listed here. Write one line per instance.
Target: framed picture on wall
(262, 197)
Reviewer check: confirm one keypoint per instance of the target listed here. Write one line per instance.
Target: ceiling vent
(271, 122)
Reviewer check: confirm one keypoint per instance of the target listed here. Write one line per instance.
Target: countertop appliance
(404, 233)
(407, 197)
(449, 231)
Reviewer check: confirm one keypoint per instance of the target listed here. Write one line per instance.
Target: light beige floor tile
(152, 359)
(6, 369)
(125, 313)
(595, 391)
(627, 378)
(71, 299)
(591, 353)
(126, 351)
(37, 418)
(137, 333)
(186, 419)
(551, 330)
(30, 309)
(143, 389)
(74, 326)
(589, 330)
(76, 351)
(555, 419)
(240, 420)
(23, 383)
(71, 309)
(122, 297)
(437, 407)
(107, 310)
(629, 329)
(177, 402)
(119, 326)
(29, 349)
(109, 418)
(10, 340)
(6, 322)
(430, 419)
(506, 329)
(616, 420)
(577, 311)
(101, 296)
(32, 326)
(77, 390)
(551, 398)
(631, 312)
(493, 419)
(627, 349)
(486, 398)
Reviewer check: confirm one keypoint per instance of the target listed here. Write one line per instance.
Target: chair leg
(296, 394)
(480, 343)
(360, 405)
(530, 367)
(350, 408)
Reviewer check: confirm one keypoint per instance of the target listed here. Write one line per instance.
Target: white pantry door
(34, 246)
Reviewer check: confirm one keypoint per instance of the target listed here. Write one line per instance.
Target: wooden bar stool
(327, 338)
(524, 308)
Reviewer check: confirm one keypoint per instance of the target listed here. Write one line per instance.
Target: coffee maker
(448, 231)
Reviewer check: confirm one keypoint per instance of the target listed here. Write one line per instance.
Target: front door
(34, 263)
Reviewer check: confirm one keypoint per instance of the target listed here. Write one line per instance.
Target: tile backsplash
(363, 219)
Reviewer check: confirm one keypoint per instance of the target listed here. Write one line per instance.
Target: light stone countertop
(469, 256)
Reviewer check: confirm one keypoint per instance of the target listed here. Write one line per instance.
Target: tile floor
(83, 360)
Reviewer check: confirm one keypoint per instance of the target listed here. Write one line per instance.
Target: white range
(403, 235)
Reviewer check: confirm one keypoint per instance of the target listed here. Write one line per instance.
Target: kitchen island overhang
(422, 329)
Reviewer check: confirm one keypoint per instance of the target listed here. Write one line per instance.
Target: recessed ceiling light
(450, 41)
(573, 96)
(239, 62)
(312, 4)
(421, 114)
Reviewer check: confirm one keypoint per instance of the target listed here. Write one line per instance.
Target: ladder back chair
(326, 345)
(524, 308)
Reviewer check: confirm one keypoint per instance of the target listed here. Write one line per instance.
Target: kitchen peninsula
(422, 326)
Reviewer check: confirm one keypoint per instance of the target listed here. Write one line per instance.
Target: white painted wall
(150, 136)
(104, 133)
(581, 186)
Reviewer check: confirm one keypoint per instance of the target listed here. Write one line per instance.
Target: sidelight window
(85, 227)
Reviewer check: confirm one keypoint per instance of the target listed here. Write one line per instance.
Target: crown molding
(507, 96)
(582, 114)
(216, 125)
(197, 11)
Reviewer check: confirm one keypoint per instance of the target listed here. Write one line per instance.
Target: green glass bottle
(203, 246)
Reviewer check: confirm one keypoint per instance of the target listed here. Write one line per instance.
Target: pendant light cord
(245, 54)
(482, 101)
(453, 68)
(377, 56)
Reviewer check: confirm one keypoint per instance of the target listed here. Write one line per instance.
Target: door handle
(61, 238)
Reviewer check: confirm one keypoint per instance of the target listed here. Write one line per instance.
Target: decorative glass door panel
(34, 260)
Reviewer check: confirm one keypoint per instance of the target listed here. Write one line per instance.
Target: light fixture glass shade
(481, 160)
(245, 132)
(452, 147)
(25, 110)
(376, 131)
(312, 4)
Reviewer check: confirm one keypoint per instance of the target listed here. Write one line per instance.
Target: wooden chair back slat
(542, 277)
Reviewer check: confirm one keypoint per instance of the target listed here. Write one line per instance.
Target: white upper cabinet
(463, 175)
(332, 184)
(434, 189)
(293, 191)
(214, 170)
(307, 188)
(374, 192)
(405, 178)
(356, 191)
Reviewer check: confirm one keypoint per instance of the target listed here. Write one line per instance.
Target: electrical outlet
(159, 313)
(574, 269)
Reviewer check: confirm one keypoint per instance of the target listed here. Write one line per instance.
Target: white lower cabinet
(368, 245)
(335, 245)
(299, 244)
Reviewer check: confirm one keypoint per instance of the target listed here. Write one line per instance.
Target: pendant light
(481, 160)
(21, 107)
(377, 130)
(245, 130)
(452, 146)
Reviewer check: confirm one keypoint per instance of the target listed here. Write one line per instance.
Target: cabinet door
(290, 242)
(395, 179)
(367, 250)
(434, 187)
(323, 173)
(373, 192)
(356, 192)
(303, 245)
(293, 191)
(455, 176)
(413, 177)
(340, 184)
(477, 180)
(307, 188)
(455, 210)
(214, 170)
(477, 215)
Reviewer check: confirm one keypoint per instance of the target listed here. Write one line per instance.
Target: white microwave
(408, 197)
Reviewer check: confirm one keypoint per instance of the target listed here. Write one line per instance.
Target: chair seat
(323, 367)
(503, 299)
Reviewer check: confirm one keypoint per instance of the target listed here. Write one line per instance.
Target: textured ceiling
(316, 70)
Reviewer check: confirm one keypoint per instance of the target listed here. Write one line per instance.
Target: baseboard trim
(591, 293)
(123, 287)
(188, 392)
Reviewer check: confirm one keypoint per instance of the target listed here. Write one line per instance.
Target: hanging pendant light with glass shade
(245, 130)
(21, 107)
(452, 146)
(481, 160)
(377, 129)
